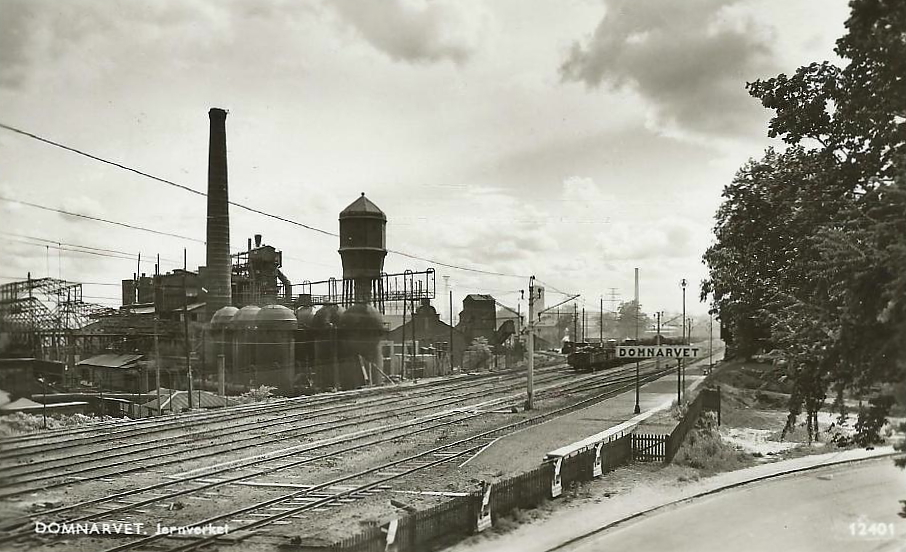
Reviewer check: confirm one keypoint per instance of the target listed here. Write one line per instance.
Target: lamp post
(638, 313)
(44, 400)
(530, 339)
(710, 342)
(680, 368)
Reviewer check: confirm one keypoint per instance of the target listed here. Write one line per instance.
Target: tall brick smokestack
(218, 250)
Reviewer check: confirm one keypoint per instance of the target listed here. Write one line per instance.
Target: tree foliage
(810, 250)
(478, 354)
(628, 316)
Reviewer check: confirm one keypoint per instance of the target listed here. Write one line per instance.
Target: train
(586, 357)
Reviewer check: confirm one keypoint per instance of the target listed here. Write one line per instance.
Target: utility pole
(336, 364)
(638, 312)
(584, 338)
(680, 367)
(575, 321)
(160, 409)
(659, 314)
(451, 329)
(601, 323)
(710, 342)
(403, 352)
(530, 383)
(185, 320)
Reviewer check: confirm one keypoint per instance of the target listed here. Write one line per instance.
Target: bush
(257, 395)
(705, 451)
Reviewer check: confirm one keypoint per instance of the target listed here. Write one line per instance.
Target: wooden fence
(459, 516)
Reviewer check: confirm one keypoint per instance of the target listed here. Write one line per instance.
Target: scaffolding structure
(41, 317)
(389, 288)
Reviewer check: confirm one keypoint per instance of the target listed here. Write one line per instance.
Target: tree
(478, 354)
(628, 315)
(810, 253)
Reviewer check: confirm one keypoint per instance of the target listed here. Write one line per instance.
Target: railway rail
(348, 487)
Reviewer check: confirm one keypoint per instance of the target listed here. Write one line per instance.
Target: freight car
(586, 357)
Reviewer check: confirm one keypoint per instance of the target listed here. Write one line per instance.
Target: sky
(572, 140)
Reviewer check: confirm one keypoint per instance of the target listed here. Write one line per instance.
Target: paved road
(819, 510)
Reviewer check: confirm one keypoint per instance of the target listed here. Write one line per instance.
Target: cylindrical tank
(363, 246)
(361, 329)
(243, 325)
(305, 316)
(306, 374)
(222, 333)
(275, 352)
(325, 335)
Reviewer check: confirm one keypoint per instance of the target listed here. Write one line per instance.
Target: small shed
(114, 371)
(175, 400)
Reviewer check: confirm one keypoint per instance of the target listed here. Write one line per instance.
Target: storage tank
(363, 246)
(325, 335)
(305, 350)
(243, 325)
(222, 334)
(305, 316)
(275, 353)
(361, 329)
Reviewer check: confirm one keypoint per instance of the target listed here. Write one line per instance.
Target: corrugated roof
(180, 400)
(109, 360)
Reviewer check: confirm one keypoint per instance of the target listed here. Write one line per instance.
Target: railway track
(65, 438)
(206, 480)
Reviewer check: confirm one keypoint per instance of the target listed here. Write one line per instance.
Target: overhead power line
(98, 219)
(203, 194)
(90, 247)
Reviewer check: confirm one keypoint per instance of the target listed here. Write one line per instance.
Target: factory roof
(179, 400)
(362, 206)
(479, 297)
(110, 361)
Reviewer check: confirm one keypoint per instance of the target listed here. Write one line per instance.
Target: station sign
(661, 351)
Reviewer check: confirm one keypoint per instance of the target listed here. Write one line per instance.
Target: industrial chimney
(218, 243)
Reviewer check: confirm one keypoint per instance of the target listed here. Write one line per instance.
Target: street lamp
(530, 341)
(44, 400)
(681, 369)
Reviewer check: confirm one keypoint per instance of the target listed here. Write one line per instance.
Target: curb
(716, 490)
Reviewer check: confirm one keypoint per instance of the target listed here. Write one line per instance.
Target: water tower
(363, 246)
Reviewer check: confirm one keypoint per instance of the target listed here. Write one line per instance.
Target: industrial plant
(239, 323)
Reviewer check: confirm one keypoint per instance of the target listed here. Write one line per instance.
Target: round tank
(223, 317)
(222, 332)
(327, 315)
(274, 355)
(361, 329)
(324, 336)
(305, 316)
(243, 326)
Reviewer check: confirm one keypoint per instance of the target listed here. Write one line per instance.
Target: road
(821, 510)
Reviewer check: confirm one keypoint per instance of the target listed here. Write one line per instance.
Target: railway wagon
(586, 357)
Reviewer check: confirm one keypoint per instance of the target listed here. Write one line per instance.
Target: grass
(704, 451)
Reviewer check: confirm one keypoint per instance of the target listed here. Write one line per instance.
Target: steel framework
(40, 316)
(389, 288)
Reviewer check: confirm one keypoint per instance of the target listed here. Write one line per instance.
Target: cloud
(689, 60)
(415, 31)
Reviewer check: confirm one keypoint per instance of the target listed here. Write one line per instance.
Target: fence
(649, 447)
(465, 515)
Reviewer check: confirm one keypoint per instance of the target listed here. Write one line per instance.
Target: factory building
(235, 324)
(478, 317)
(431, 353)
